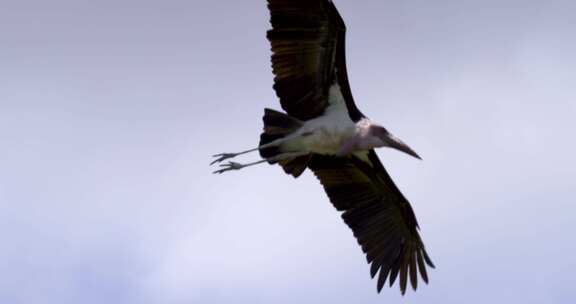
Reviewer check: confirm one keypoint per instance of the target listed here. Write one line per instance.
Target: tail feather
(295, 166)
(276, 126)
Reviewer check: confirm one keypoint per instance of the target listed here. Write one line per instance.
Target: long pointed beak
(395, 142)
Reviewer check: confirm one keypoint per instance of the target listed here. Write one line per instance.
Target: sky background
(110, 110)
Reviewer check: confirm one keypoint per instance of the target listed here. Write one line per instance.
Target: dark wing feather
(307, 39)
(378, 214)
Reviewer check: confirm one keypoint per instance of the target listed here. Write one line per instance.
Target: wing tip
(404, 268)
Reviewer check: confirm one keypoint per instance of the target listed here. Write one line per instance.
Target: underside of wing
(304, 39)
(378, 214)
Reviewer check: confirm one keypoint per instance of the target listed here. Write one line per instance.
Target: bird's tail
(277, 125)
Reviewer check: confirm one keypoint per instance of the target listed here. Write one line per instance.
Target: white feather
(325, 134)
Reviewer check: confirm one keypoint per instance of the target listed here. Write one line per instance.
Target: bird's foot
(222, 156)
(229, 167)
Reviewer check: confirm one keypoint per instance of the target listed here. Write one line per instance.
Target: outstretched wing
(307, 39)
(380, 217)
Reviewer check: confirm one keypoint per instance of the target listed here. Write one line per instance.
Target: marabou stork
(324, 131)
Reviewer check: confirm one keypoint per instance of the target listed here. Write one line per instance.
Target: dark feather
(381, 218)
(308, 56)
(394, 272)
(422, 267)
(404, 272)
(413, 271)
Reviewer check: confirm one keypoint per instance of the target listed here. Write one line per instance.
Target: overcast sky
(110, 110)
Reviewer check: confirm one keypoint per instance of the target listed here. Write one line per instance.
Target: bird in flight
(323, 130)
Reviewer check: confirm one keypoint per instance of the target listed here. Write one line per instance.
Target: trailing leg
(278, 158)
(224, 156)
(278, 129)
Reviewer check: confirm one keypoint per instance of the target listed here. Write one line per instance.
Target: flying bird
(324, 131)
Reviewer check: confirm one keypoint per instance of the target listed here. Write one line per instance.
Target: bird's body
(332, 132)
(324, 131)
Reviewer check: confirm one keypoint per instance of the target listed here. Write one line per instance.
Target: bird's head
(386, 139)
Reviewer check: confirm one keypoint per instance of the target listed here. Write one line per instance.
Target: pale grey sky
(110, 110)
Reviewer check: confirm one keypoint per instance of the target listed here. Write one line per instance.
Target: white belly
(325, 134)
